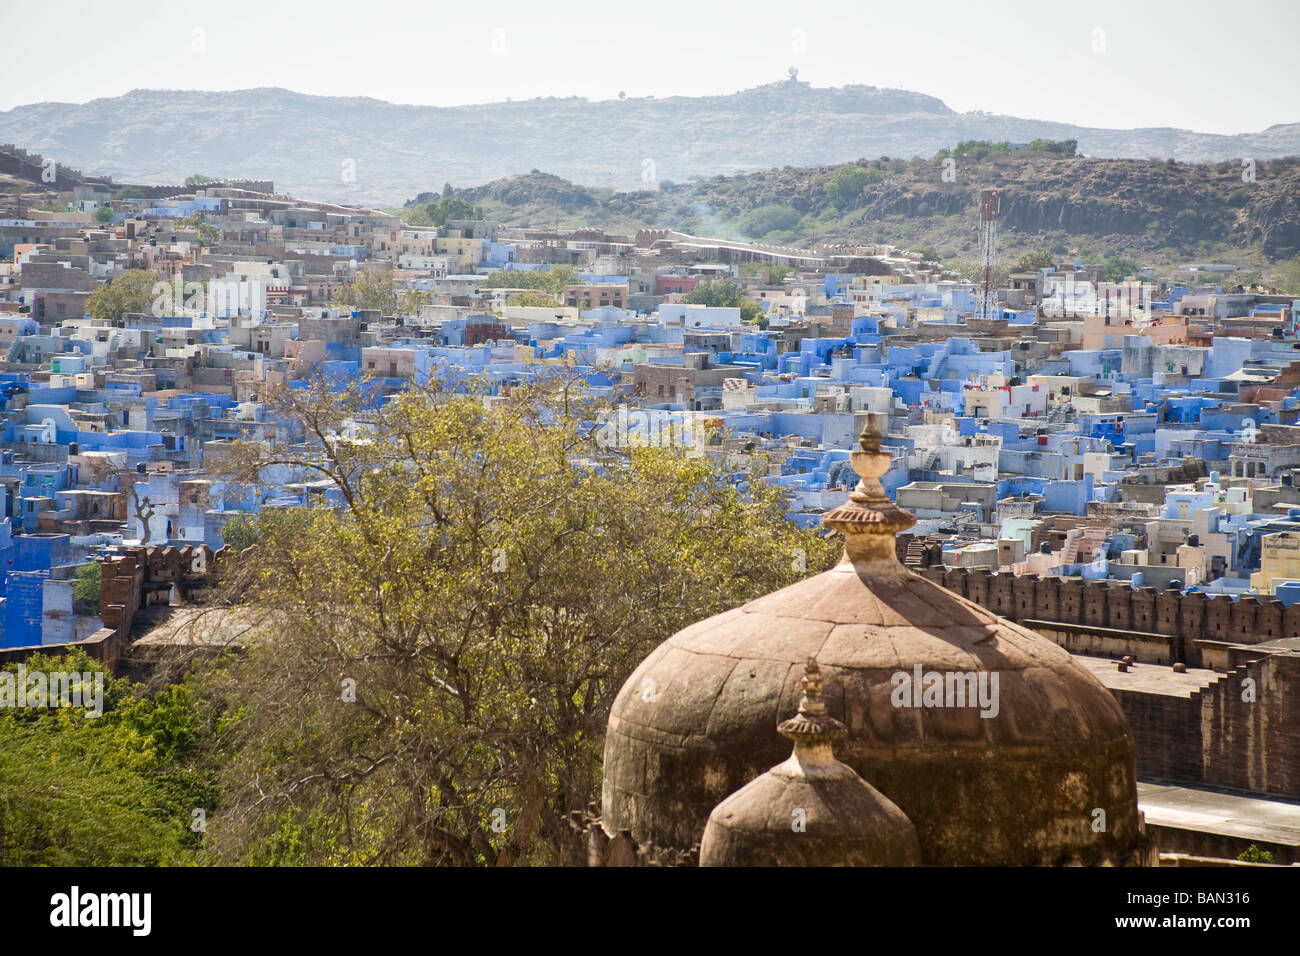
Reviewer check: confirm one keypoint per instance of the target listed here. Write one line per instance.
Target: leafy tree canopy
(975, 149)
(1116, 269)
(552, 280)
(1033, 261)
(757, 223)
(85, 589)
(442, 652)
(845, 186)
(724, 293)
(132, 291)
(1059, 147)
(115, 790)
(369, 289)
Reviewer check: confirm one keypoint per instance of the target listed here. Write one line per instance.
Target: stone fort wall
(1242, 731)
(1113, 618)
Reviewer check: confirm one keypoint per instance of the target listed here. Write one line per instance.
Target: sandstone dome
(811, 810)
(1042, 775)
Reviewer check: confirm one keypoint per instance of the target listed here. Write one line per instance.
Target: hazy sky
(1198, 64)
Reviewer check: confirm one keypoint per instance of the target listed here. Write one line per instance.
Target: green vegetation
(198, 179)
(536, 300)
(972, 271)
(724, 293)
(844, 188)
(776, 274)
(240, 532)
(410, 301)
(760, 222)
(85, 590)
(1061, 147)
(1033, 261)
(129, 192)
(369, 289)
(551, 281)
(1253, 854)
(132, 291)
(208, 235)
(975, 149)
(450, 206)
(446, 647)
(104, 213)
(115, 790)
(1116, 269)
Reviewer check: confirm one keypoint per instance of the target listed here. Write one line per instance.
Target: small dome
(811, 810)
(1016, 779)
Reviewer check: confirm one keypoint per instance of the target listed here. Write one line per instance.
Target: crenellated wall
(1164, 626)
(1241, 730)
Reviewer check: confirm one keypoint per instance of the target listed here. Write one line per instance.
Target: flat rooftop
(1211, 811)
(1148, 678)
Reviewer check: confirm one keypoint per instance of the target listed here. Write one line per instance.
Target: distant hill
(1151, 210)
(308, 144)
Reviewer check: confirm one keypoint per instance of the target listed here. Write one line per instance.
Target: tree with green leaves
(410, 301)
(1116, 269)
(104, 213)
(1060, 147)
(535, 300)
(209, 235)
(450, 206)
(369, 289)
(845, 186)
(132, 292)
(763, 220)
(439, 655)
(552, 280)
(240, 532)
(726, 294)
(974, 149)
(1033, 261)
(86, 588)
(775, 274)
(973, 271)
(115, 790)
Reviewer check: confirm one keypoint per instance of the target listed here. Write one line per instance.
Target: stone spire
(826, 814)
(812, 729)
(869, 520)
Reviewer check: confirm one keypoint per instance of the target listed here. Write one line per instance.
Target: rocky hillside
(1143, 208)
(369, 151)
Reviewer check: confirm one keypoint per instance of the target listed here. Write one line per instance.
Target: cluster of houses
(1143, 432)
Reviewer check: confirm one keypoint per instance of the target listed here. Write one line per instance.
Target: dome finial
(812, 725)
(869, 510)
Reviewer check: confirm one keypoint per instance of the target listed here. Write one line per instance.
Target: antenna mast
(987, 306)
